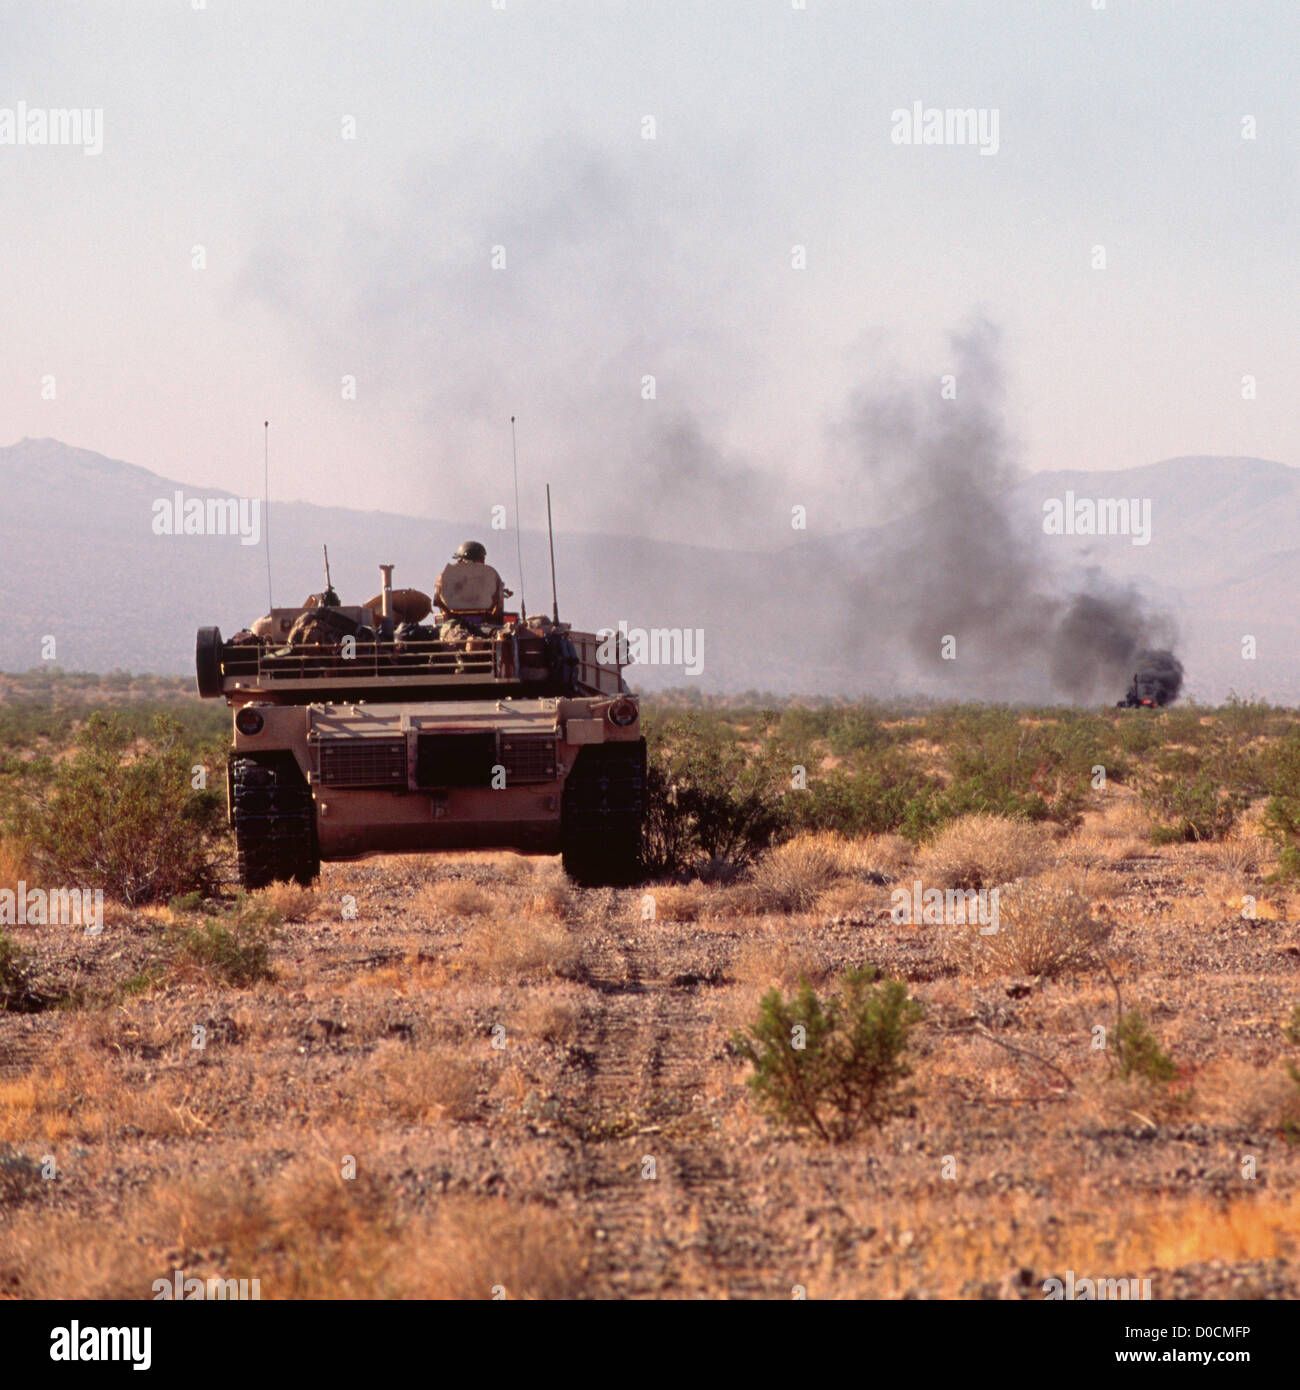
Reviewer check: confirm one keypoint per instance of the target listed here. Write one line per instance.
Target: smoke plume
(1157, 680)
(973, 591)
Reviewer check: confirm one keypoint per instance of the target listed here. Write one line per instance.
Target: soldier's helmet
(474, 551)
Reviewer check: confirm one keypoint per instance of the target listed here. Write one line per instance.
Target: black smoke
(1156, 681)
(971, 589)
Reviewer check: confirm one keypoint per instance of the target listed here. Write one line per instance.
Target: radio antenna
(519, 550)
(266, 507)
(550, 531)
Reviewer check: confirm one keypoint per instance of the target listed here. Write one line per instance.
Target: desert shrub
(890, 794)
(423, 1085)
(1281, 826)
(1238, 855)
(235, 949)
(517, 948)
(1137, 734)
(848, 1070)
(1004, 766)
(1041, 930)
(709, 797)
(791, 877)
(1189, 808)
(115, 818)
(980, 851)
(15, 863)
(1279, 765)
(289, 902)
(876, 858)
(454, 897)
(1249, 717)
(685, 903)
(800, 726)
(845, 729)
(17, 988)
(1140, 1053)
(853, 730)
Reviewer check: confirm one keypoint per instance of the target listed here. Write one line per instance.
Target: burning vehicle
(1156, 682)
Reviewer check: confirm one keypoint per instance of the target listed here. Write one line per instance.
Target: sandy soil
(487, 1080)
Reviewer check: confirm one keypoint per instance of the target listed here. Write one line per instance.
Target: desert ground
(461, 1076)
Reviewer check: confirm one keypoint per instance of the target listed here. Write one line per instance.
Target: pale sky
(521, 127)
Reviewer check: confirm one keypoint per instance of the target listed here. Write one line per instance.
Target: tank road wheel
(274, 822)
(601, 814)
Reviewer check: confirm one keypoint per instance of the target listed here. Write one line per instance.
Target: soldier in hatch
(469, 592)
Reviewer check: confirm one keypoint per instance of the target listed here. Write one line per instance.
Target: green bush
(847, 1072)
(1140, 1053)
(118, 817)
(709, 797)
(854, 730)
(1195, 807)
(890, 794)
(236, 950)
(17, 991)
(1281, 825)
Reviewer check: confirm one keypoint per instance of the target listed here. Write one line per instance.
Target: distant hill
(83, 564)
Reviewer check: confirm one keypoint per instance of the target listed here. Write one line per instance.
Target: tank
(1155, 683)
(359, 732)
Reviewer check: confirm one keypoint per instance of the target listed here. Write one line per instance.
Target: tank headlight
(248, 721)
(622, 713)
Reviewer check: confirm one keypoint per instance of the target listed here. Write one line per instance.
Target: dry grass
(16, 864)
(779, 962)
(421, 1085)
(982, 851)
(228, 1162)
(791, 877)
(289, 901)
(1041, 930)
(551, 900)
(1239, 855)
(680, 903)
(304, 1233)
(456, 898)
(1257, 1098)
(878, 858)
(551, 1020)
(1096, 884)
(82, 1096)
(520, 948)
(981, 1242)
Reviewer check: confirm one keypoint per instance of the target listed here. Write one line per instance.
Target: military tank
(1155, 683)
(361, 730)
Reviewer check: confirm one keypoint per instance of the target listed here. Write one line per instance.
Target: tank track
(602, 810)
(274, 823)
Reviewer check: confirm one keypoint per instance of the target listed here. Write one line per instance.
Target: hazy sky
(521, 126)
